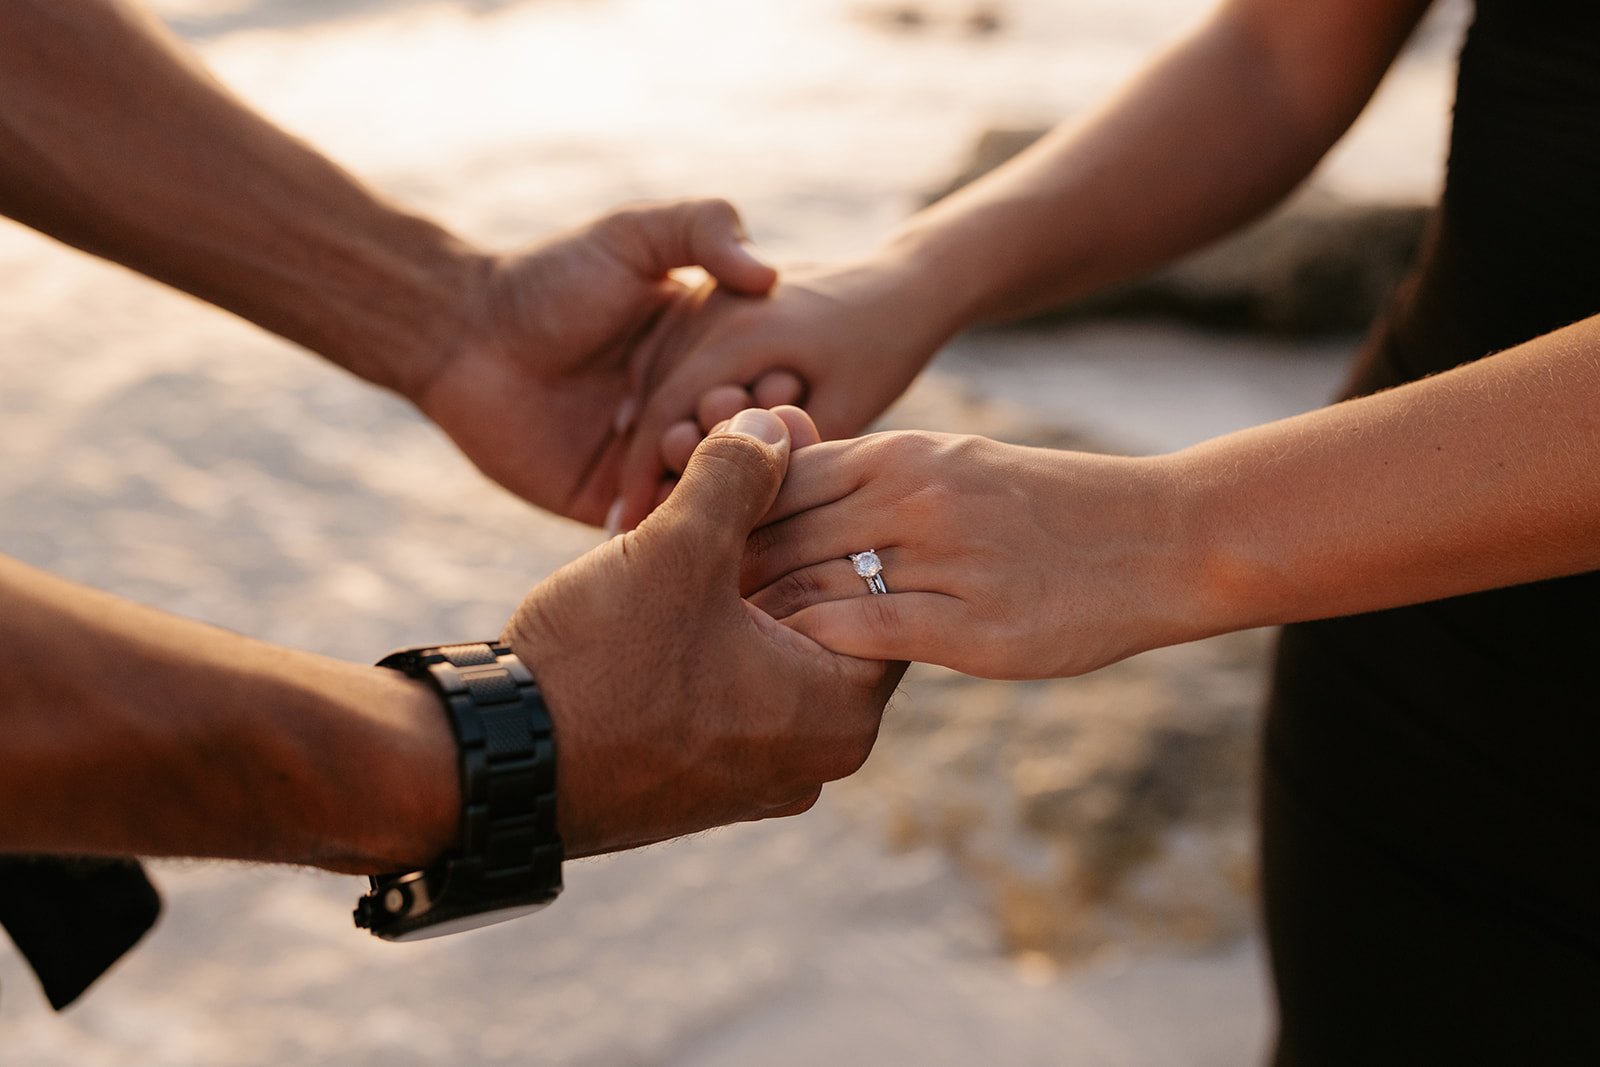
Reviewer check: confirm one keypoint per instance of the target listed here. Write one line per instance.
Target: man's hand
(533, 396)
(677, 705)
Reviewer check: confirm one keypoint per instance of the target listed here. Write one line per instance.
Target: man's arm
(676, 707)
(132, 732)
(113, 138)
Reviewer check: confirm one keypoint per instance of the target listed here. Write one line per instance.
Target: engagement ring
(870, 568)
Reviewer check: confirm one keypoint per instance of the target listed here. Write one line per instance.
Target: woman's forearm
(1481, 477)
(1011, 562)
(131, 732)
(1218, 129)
(115, 140)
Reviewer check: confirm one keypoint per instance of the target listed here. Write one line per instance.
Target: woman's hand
(843, 342)
(1000, 561)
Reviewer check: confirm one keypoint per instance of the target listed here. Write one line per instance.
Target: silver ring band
(870, 569)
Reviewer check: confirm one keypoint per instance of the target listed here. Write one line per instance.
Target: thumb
(730, 483)
(691, 233)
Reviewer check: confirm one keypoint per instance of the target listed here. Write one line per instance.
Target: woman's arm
(1215, 131)
(1015, 562)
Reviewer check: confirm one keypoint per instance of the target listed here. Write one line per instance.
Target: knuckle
(796, 590)
(723, 474)
(881, 616)
(624, 219)
(928, 504)
(728, 458)
(714, 209)
(805, 803)
(759, 548)
(994, 605)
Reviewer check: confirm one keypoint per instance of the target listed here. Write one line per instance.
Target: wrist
(384, 792)
(403, 316)
(940, 259)
(1231, 581)
(577, 809)
(1134, 531)
(927, 270)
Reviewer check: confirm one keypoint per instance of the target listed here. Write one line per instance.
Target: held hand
(533, 394)
(1000, 561)
(843, 341)
(677, 705)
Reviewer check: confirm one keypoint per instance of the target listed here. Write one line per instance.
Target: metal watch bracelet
(508, 858)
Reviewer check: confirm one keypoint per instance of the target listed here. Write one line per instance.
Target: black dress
(1431, 838)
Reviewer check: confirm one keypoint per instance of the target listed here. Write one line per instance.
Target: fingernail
(758, 423)
(622, 421)
(614, 518)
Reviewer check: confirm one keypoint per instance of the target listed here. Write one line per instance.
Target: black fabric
(73, 918)
(1431, 807)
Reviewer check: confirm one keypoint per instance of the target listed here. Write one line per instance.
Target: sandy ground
(165, 452)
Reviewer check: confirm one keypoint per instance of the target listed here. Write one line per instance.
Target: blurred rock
(985, 19)
(1316, 265)
(895, 17)
(993, 147)
(982, 19)
(1095, 814)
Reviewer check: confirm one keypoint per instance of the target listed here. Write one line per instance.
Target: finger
(663, 491)
(681, 438)
(722, 403)
(778, 387)
(922, 627)
(831, 532)
(679, 443)
(677, 303)
(689, 233)
(831, 471)
(729, 483)
(642, 466)
(836, 579)
(803, 432)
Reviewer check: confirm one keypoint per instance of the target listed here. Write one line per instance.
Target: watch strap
(510, 850)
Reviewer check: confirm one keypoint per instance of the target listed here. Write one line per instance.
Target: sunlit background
(1043, 874)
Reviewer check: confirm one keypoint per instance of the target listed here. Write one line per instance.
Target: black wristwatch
(508, 861)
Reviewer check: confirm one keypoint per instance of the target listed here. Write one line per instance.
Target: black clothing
(73, 918)
(1432, 787)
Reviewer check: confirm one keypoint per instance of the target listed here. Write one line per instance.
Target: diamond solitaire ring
(870, 568)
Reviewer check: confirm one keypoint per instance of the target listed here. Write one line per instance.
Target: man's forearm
(1209, 136)
(130, 732)
(114, 139)
(1478, 478)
